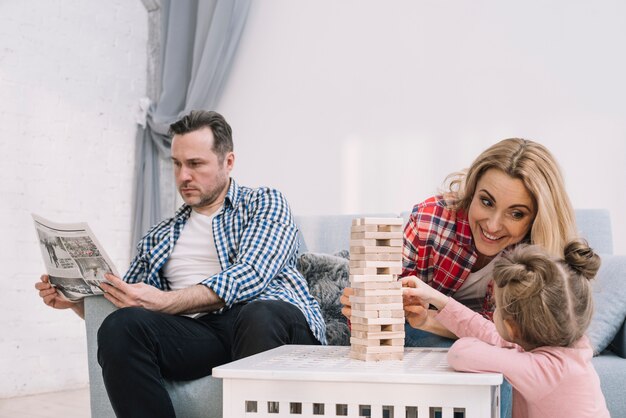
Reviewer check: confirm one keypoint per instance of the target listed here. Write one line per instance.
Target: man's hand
(124, 295)
(52, 298)
(346, 310)
(194, 299)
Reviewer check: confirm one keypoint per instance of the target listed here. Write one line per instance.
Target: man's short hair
(198, 119)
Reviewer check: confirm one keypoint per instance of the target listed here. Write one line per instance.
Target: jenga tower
(377, 314)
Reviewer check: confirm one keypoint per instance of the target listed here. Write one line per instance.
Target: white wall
(71, 74)
(363, 105)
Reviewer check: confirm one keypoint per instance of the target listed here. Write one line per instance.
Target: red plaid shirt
(439, 249)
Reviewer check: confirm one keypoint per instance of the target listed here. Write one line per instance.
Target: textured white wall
(71, 74)
(362, 105)
(350, 106)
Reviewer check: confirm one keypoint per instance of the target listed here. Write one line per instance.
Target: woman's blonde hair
(549, 299)
(534, 165)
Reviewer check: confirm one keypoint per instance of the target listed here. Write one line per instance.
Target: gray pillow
(609, 299)
(327, 276)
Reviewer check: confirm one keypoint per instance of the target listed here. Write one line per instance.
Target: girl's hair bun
(581, 258)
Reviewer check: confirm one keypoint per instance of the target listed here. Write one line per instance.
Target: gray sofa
(330, 235)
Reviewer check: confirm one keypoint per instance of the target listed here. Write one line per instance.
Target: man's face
(201, 179)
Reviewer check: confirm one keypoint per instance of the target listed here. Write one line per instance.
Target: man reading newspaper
(228, 255)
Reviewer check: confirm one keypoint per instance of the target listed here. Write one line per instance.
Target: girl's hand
(417, 296)
(416, 291)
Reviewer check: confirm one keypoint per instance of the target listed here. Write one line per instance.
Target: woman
(512, 193)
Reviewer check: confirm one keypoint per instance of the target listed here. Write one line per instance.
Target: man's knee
(262, 325)
(261, 316)
(119, 330)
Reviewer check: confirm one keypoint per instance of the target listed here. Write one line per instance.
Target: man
(215, 283)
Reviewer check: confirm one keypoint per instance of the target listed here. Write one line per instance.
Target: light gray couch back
(331, 233)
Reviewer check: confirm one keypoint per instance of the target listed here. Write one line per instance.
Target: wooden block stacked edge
(377, 315)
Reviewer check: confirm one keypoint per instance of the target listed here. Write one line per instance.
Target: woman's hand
(345, 301)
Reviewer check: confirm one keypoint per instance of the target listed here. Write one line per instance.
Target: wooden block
(362, 311)
(389, 228)
(376, 299)
(379, 285)
(361, 278)
(376, 321)
(374, 263)
(362, 242)
(365, 342)
(377, 327)
(376, 356)
(367, 249)
(364, 228)
(376, 243)
(377, 306)
(395, 342)
(376, 292)
(360, 271)
(368, 349)
(377, 335)
(378, 221)
(371, 342)
(369, 271)
(393, 327)
(358, 313)
(376, 270)
(368, 328)
(399, 313)
(397, 256)
(375, 235)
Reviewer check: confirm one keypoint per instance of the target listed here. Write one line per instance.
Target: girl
(536, 339)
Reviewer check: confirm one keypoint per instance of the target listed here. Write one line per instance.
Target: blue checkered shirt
(256, 240)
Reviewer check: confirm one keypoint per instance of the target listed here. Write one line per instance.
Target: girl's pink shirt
(547, 381)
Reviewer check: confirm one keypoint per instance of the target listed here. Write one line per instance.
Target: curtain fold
(199, 39)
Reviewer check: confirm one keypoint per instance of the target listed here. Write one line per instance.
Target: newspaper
(74, 259)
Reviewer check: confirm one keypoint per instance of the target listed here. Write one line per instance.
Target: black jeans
(138, 349)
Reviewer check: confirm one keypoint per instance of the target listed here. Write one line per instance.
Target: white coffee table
(322, 381)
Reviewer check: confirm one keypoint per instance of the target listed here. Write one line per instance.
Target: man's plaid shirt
(439, 249)
(257, 245)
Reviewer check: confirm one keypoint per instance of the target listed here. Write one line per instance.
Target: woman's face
(501, 212)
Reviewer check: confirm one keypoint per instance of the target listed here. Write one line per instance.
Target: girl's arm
(466, 323)
(534, 374)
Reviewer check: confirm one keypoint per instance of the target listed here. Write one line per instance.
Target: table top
(332, 363)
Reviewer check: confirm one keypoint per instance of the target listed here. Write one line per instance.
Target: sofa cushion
(327, 276)
(609, 298)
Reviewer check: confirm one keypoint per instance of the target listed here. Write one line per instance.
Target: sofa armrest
(618, 345)
(96, 309)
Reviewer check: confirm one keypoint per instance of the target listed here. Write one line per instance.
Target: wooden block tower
(377, 319)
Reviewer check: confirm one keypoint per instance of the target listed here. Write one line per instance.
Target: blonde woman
(512, 193)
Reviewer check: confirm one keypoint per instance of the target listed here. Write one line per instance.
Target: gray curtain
(197, 40)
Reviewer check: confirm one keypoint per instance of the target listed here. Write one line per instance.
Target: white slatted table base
(309, 375)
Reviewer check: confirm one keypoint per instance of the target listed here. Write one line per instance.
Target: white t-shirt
(194, 257)
(475, 285)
